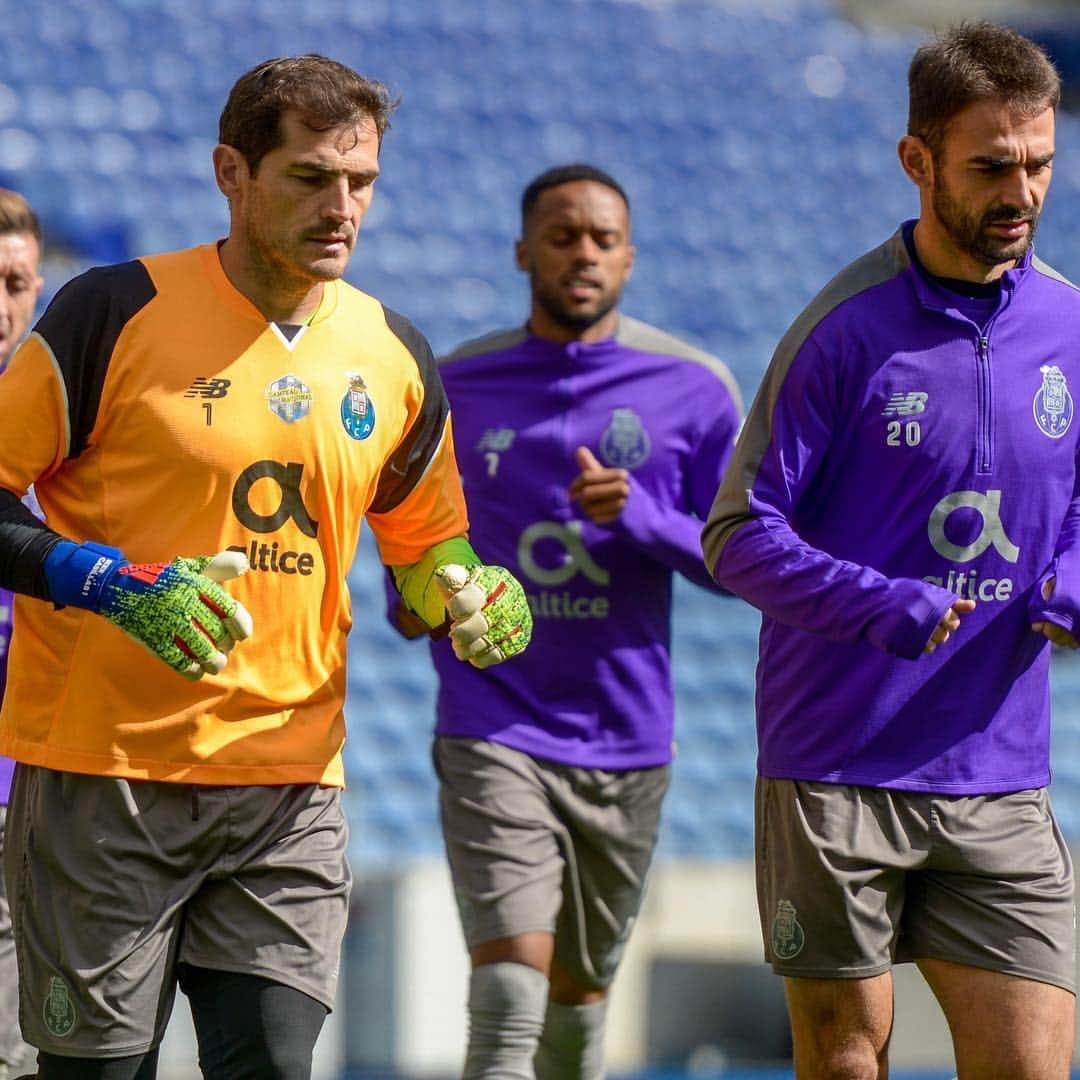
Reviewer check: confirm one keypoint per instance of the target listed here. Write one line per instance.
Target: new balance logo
(209, 388)
(497, 440)
(908, 404)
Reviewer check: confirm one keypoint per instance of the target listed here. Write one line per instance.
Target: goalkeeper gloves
(489, 612)
(490, 620)
(177, 610)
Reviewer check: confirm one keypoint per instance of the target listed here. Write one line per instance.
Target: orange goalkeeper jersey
(155, 410)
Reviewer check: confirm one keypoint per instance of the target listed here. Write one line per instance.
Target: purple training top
(907, 447)
(594, 687)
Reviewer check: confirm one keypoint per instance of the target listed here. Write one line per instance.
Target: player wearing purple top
(590, 446)
(20, 286)
(903, 508)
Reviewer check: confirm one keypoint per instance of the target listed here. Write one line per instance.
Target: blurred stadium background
(756, 140)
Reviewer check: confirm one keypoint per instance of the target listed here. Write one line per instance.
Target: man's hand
(489, 613)
(950, 622)
(177, 610)
(601, 492)
(1057, 634)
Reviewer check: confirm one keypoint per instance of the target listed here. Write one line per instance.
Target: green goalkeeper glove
(490, 619)
(177, 610)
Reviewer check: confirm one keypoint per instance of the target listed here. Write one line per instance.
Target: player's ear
(916, 160)
(521, 255)
(230, 169)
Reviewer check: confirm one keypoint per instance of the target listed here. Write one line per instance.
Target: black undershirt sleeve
(25, 541)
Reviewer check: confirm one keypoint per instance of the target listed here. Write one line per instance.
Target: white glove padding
(490, 620)
(225, 566)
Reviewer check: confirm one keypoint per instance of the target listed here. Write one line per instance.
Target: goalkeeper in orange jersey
(208, 430)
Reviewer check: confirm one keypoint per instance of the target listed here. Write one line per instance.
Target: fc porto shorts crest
(853, 879)
(114, 881)
(539, 846)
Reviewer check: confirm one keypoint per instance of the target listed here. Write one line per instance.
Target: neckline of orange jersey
(211, 258)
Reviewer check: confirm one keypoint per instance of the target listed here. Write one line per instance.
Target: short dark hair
(17, 216)
(566, 174)
(325, 93)
(975, 61)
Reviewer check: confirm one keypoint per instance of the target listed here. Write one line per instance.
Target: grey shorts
(113, 882)
(538, 846)
(853, 879)
(14, 1053)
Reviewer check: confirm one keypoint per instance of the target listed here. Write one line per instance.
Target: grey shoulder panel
(489, 343)
(731, 508)
(1048, 271)
(867, 272)
(635, 334)
(872, 269)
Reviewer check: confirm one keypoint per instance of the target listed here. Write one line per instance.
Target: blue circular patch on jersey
(1053, 413)
(359, 423)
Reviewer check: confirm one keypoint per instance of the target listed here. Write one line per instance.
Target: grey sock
(506, 1015)
(572, 1046)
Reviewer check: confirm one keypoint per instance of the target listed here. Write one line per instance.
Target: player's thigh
(998, 892)
(277, 904)
(832, 862)
(611, 820)
(504, 842)
(100, 871)
(1004, 1027)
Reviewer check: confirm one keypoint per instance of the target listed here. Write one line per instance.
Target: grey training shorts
(14, 1053)
(851, 879)
(112, 882)
(538, 846)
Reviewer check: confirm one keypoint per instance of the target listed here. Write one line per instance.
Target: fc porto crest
(289, 398)
(625, 444)
(357, 409)
(788, 937)
(59, 1010)
(1053, 404)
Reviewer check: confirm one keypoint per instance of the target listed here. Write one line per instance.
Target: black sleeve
(25, 541)
(81, 327)
(410, 460)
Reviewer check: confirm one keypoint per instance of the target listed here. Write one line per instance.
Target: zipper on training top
(984, 450)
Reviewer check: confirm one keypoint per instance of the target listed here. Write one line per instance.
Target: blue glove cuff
(77, 573)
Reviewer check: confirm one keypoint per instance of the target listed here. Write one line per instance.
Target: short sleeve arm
(49, 398)
(35, 437)
(419, 501)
